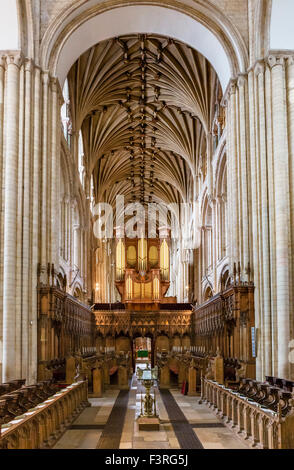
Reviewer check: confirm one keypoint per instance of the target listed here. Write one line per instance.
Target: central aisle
(110, 423)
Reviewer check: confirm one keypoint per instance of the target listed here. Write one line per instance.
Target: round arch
(224, 278)
(207, 293)
(205, 29)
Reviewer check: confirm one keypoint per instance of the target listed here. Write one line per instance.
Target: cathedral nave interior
(146, 230)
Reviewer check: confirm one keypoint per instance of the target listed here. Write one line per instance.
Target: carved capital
(45, 78)
(290, 59)
(28, 65)
(241, 81)
(211, 200)
(259, 68)
(221, 198)
(2, 61)
(14, 59)
(53, 84)
(232, 88)
(224, 101)
(277, 59)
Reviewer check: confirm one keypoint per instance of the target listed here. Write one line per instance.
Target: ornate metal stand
(148, 403)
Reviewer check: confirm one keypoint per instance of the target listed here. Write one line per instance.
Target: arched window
(225, 279)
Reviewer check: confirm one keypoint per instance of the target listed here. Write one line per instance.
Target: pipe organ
(142, 269)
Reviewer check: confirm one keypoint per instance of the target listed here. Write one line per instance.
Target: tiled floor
(86, 431)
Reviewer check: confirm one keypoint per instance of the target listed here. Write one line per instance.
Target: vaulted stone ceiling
(145, 105)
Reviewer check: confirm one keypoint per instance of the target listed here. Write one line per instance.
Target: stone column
(233, 176)
(282, 209)
(66, 228)
(45, 173)
(271, 223)
(2, 79)
(214, 234)
(244, 175)
(26, 197)
(209, 151)
(220, 228)
(35, 204)
(262, 162)
(76, 247)
(229, 183)
(55, 171)
(254, 217)
(290, 103)
(10, 216)
(19, 225)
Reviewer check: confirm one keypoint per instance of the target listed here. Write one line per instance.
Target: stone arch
(207, 293)
(61, 279)
(77, 291)
(204, 28)
(224, 280)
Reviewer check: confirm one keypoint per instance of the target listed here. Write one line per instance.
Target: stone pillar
(35, 205)
(290, 102)
(215, 227)
(229, 183)
(45, 171)
(10, 217)
(55, 172)
(2, 79)
(264, 260)
(77, 246)
(254, 217)
(82, 251)
(282, 209)
(26, 196)
(244, 174)
(272, 228)
(233, 177)
(209, 151)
